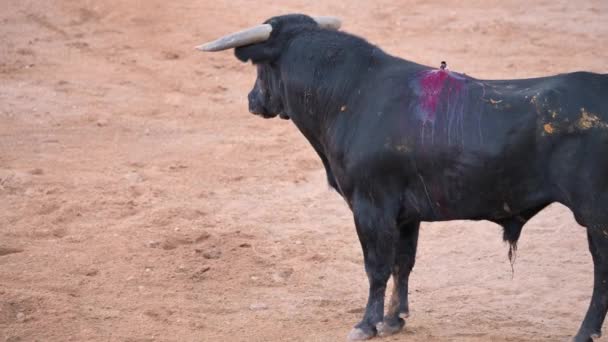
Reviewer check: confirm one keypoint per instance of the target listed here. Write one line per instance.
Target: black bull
(404, 143)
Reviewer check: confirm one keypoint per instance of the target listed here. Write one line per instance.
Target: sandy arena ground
(140, 201)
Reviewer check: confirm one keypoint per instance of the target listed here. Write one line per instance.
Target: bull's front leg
(375, 220)
(405, 256)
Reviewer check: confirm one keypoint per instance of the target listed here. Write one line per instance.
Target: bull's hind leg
(405, 255)
(377, 231)
(598, 245)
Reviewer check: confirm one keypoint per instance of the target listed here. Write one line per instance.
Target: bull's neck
(314, 115)
(313, 105)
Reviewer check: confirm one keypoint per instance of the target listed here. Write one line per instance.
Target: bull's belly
(427, 203)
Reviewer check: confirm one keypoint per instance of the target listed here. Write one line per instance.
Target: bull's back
(490, 148)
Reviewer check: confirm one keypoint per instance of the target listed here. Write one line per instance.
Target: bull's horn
(258, 34)
(331, 23)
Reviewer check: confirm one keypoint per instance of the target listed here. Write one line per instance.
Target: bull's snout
(255, 105)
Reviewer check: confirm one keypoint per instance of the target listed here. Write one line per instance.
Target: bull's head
(263, 45)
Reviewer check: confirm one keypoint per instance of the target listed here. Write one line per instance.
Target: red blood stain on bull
(435, 85)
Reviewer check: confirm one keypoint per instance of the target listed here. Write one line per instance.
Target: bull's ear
(257, 53)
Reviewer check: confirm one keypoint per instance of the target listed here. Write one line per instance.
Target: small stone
(169, 55)
(258, 307)
(169, 244)
(36, 172)
(20, 317)
(200, 274)
(282, 276)
(102, 122)
(134, 177)
(204, 236)
(215, 254)
(245, 245)
(153, 244)
(92, 273)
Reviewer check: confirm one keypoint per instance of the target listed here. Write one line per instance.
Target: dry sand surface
(139, 201)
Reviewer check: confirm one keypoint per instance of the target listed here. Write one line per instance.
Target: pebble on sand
(258, 307)
(36, 172)
(134, 177)
(153, 244)
(213, 254)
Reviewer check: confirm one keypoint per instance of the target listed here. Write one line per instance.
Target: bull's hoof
(390, 326)
(586, 337)
(357, 334)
